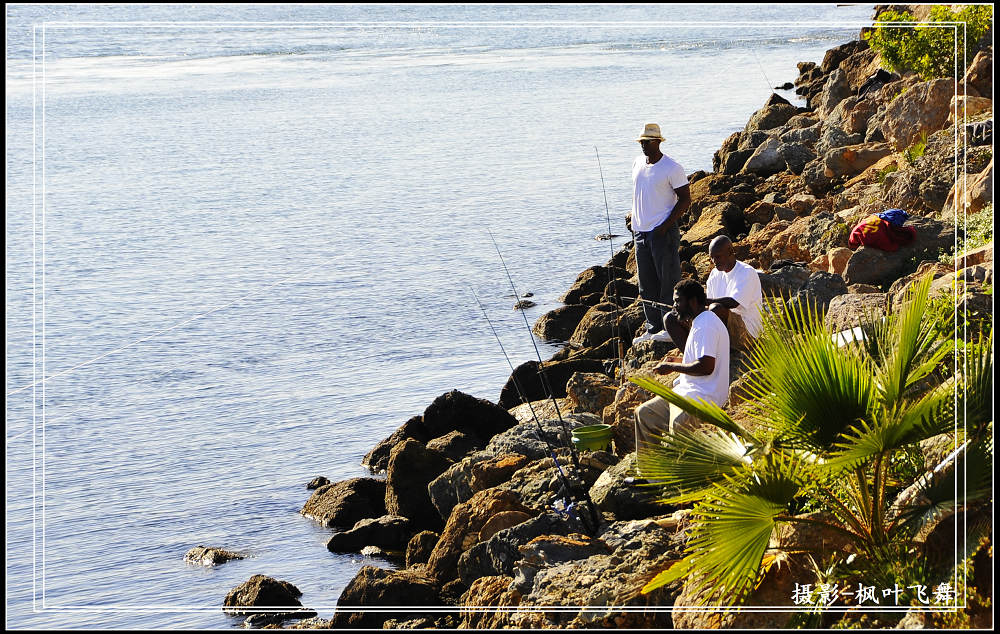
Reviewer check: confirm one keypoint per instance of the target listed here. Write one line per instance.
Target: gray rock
(815, 179)
(765, 160)
(835, 89)
(592, 280)
(795, 156)
(753, 140)
(527, 377)
(389, 532)
(820, 289)
(876, 267)
(538, 484)
(612, 495)
(833, 137)
(454, 485)
(210, 556)
(770, 117)
(785, 282)
(806, 136)
(848, 311)
(734, 161)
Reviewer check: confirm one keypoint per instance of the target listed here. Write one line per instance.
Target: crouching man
(704, 368)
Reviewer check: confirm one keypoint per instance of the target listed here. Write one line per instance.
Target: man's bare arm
(702, 367)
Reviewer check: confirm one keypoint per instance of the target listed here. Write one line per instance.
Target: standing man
(660, 196)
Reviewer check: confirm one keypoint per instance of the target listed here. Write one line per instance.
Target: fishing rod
(538, 424)
(545, 381)
(611, 279)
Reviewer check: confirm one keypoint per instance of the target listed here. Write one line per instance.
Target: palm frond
(976, 397)
(687, 463)
(911, 339)
(726, 549)
(803, 387)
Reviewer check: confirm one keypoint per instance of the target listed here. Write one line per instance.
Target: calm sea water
(242, 241)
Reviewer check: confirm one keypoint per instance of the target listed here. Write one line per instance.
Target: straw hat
(652, 131)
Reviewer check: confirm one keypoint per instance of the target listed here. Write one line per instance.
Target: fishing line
(770, 87)
(524, 399)
(611, 279)
(547, 386)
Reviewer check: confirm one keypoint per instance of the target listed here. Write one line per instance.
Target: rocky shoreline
(472, 506)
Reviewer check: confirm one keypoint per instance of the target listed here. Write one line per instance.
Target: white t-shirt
(708, 338)
(653, 196)
(743, 285)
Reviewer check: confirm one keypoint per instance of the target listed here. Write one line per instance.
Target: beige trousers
(654, 418)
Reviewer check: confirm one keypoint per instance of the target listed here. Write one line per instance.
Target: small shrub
(978, 229)
(885, 171)
(915, 151)
(926, 48)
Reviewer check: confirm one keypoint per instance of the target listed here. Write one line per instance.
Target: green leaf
(687, 463)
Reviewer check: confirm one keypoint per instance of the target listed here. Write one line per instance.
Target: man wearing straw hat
(660, 196)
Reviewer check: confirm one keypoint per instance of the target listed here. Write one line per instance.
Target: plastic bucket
(592, 437)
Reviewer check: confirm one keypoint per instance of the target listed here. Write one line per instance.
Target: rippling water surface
(242, 241)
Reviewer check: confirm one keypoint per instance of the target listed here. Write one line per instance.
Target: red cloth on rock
(878, 233)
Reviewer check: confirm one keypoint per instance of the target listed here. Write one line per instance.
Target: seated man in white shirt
(704, 369)
(734, 294)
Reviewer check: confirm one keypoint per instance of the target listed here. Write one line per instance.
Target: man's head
(689, 298)
(722, 254)
(651, 139)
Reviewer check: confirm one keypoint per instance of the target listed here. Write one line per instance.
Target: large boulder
(835, 56)
(559, 324)
(854, 159)
(771, 116)
(805, 238)
(463, 529)
(342, 504)
(470, 415)
(919, 111)
(611, 579)
(261, 591)
(820, 289)
(419, 548)
(874, 266)
(599, 324)
(795, 155)
(591, 281)
(783, 282)
(723, 218)
(492, 591)
(540, 484)
(624, 502)
(374, 587)
(489, 473)
(848, 311)
(979, 76)
(412, 466)
(454, 485)
(534, 439)
(530, 381)
(835, 89)
(388, 533)
(378, 458)
(970, 194)
(455, 445)
(766, 160)
(590, 392)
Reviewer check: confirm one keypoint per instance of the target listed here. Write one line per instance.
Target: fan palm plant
(830, 419)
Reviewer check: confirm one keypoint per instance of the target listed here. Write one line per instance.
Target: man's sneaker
(663, 335)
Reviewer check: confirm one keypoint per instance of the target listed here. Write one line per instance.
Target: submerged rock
(317, 482)
(210, 556)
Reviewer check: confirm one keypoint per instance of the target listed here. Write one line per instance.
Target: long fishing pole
(524, 399)
(545, 382)
(611, 279)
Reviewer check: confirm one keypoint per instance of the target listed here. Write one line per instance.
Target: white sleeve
(677, 177)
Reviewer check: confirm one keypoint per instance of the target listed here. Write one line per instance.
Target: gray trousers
(658, 261)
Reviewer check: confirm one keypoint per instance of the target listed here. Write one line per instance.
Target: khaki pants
(739, 338)
(656, 417)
